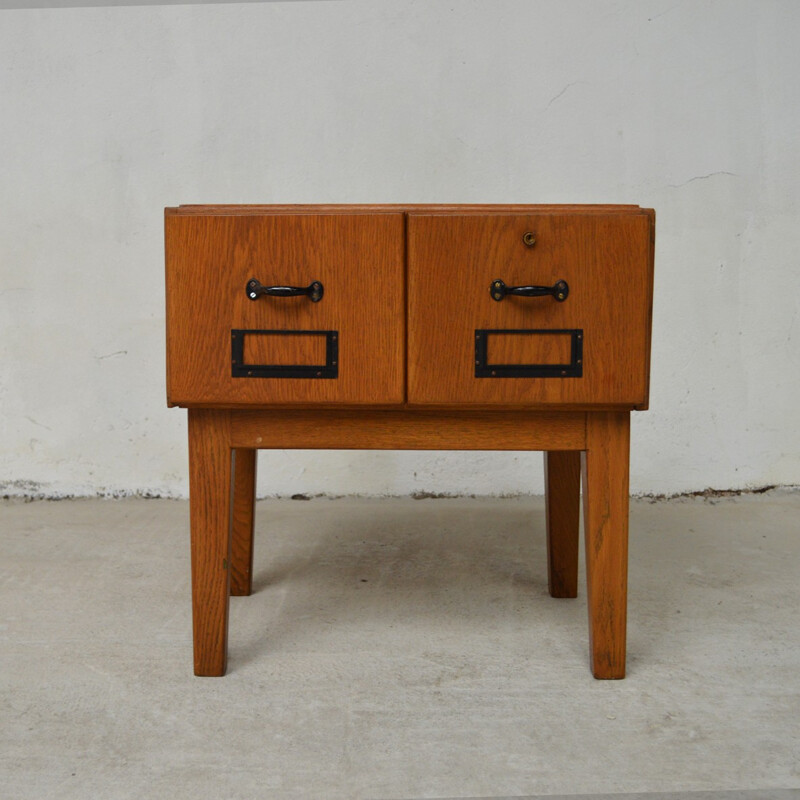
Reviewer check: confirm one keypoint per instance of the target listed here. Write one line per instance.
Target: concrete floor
(397, 649)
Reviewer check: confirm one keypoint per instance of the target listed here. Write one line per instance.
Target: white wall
(109, 114)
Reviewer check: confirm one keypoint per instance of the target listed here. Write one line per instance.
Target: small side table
(411, 328)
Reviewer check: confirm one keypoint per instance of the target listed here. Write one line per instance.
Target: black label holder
(239, 369)
(574, 369)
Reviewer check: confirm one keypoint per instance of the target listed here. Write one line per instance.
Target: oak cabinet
(411, 327)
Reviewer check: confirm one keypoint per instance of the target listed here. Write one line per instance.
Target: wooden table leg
(244, 496)
(210, 516)
(605, 520)
(562, 482)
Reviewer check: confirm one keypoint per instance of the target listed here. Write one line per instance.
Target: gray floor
(397, 649)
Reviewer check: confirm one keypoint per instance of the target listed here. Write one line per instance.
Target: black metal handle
(560, 290)
(313, 291)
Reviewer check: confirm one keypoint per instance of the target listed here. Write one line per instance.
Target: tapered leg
(562, 486)
(210, 518)
(605, 521)
(244, 496)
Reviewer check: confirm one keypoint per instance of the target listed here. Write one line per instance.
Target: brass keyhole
(529, 238)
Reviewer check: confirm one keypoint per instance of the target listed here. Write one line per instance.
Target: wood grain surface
(242, 521)
(562, 490)
(605, 259)
(605, 523)
(359, 258)
(533, 348)
(408, 430)
(210, 517)
(284, 349)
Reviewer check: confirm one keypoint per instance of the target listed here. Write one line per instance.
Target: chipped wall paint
(109, 114)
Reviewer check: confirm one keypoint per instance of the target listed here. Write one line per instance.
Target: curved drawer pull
(560, 290)
(313, 291)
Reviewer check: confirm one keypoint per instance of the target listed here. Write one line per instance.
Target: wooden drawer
(592, 349)
(226, 349)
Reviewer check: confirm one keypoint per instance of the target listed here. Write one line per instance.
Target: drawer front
(591, 348)
(224, 348)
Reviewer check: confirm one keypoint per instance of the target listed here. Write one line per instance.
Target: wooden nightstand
(422, 327)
